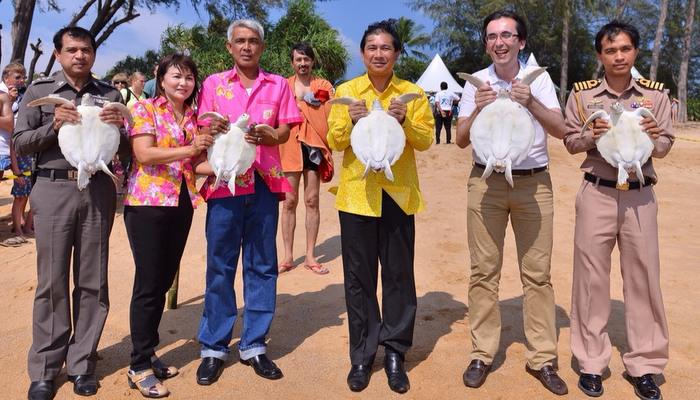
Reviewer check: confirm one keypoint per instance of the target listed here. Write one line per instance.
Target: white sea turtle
(378, 139)
(230, 155)
(91, 144)
(625, 145)
(503, 132)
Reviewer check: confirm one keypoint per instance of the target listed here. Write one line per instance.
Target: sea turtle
(230, 155)
(91, 144)
(625, 145)
(503, 132)
(378, 139)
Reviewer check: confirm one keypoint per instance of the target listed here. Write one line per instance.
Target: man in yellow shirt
(376, 215)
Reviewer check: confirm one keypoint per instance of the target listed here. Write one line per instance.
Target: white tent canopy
(435, 73)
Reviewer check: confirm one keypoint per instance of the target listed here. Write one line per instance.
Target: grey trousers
(75, 224)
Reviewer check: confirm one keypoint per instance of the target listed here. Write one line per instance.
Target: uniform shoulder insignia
(103, 83)
(649, 84)
(585, 85)
(46, 79)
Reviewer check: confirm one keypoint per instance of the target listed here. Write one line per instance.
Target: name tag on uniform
(595, 105)
(100, 101)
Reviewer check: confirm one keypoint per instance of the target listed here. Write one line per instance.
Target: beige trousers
(530, 208)
(605, 216)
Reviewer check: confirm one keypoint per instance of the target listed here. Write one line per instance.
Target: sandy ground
(309, 338)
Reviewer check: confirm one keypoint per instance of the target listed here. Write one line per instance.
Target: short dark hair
(520, 26)
(443, 85)
(303, 48)
(181, 62)
(386, 26)
(75, 32)
(612, 29)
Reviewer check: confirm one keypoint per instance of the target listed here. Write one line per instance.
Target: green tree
(130, 64)
(410, 68)
(411, 36)
(301, 23)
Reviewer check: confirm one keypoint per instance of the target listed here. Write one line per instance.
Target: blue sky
(349, 17)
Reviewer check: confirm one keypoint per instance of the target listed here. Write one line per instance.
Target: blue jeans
(247, 221)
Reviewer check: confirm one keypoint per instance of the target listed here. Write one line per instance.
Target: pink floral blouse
(159, 185)
(270, 102)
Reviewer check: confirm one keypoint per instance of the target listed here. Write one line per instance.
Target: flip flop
(13, 242)
(285, 267)
(317, 268)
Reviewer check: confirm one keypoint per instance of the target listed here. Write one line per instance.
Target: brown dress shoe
(476, 372)
(549, 378)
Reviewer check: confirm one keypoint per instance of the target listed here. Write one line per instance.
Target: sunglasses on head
(119, 83)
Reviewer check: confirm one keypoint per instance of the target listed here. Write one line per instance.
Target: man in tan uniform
(306, 153)
(606, 214)
(69, 224)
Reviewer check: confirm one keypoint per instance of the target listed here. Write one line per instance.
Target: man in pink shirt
(248, 219)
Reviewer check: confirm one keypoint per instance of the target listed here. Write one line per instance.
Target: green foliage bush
(694, 110)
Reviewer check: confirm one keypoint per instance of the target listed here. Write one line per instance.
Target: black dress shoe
(358, 378)
(476, 372)
(645, 388)
(395, 372)
(550, 380)
(84, 385)
(591, 384)
(264, 367)
(41, 390)
(209, 370)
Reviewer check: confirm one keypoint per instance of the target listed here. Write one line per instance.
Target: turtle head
(87, 100)
(616, 109)
(242, 121)
(376, 105)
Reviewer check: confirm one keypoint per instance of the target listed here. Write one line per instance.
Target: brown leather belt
(53, 174)
(613, 184)
(519, 172)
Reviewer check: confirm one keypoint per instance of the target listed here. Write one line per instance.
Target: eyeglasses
(119, 83)
(505, 36)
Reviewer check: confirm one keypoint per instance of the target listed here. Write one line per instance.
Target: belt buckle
(624, 187)
(72, 175)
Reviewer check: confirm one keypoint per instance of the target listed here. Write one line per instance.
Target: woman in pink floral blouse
(158, 208)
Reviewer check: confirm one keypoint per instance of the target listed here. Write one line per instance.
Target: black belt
(613, 184)
(53, 174)
(519, 172)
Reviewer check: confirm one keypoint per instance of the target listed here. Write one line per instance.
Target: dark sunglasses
(119, 83)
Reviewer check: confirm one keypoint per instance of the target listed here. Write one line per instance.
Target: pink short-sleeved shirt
(159, 185)
(270, 102)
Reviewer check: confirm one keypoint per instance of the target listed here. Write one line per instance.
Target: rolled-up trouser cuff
(221, 355)
(252, 352)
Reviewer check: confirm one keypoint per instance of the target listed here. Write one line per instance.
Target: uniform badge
(267, 114)
(595, 104)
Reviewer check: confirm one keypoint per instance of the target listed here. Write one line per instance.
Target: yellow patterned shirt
(363, 195)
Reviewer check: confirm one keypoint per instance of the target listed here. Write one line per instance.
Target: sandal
(162, 371)
(13, 241)
(317, 268)
(285, 267)
(147, 383)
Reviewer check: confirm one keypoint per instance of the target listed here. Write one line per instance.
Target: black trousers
(389, 239)
(157, 236)
(439, 122)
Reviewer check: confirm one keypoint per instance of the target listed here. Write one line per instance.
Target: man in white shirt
(529, 204)
(444, 100)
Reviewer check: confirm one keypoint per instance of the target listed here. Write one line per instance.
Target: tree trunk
(21, 26)
(103, 25)
(685, 59)
(563, 79)
(657, 40)
(619, 10)
(37, 53)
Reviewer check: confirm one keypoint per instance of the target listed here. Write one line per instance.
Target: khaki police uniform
(68, 224)
(605, 215)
